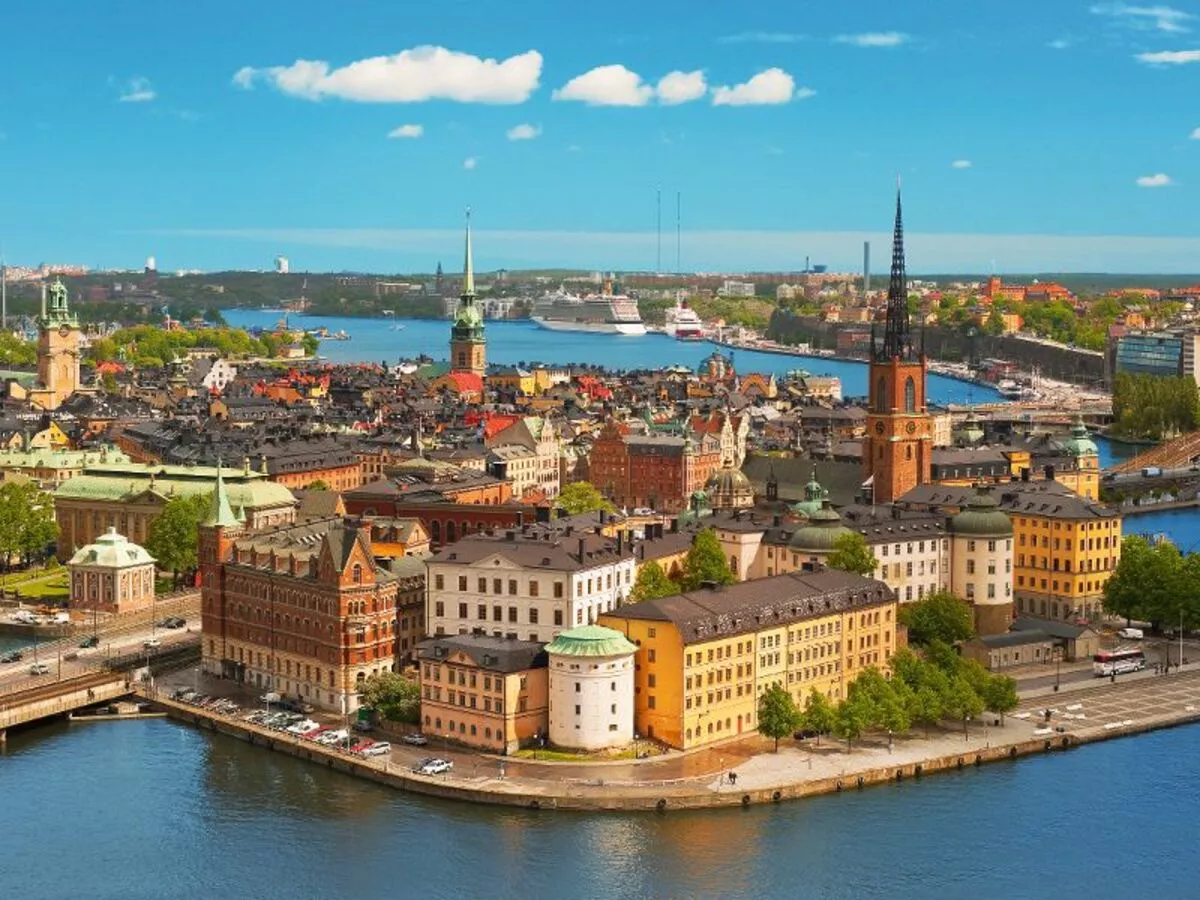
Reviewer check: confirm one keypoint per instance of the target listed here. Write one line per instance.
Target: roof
(247, 490)
(591, 640)
(1050, 627)
(1034, 498)
(536, 549)
(1015, 638)
(111, 550)
(747, 606)
(491, 653)
(982, 517)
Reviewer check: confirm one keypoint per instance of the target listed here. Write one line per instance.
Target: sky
(1029, 136)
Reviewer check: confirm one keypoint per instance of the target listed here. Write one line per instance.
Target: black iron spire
(897, 340)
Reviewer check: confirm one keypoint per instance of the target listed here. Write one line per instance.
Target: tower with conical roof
(468, 345)
(57, 350)
(898, 447)
(218, 530)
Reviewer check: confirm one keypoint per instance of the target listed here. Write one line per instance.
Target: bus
(1106, 662)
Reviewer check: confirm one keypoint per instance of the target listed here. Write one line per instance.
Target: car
(330, 738)
(174, 622)
(416, 740)
(303, 726)
(362, 745)
(11, 656)
(152, 644)
(92, 640)
(1131, 634)
(382, 748)
(39, 669)
(434, 766)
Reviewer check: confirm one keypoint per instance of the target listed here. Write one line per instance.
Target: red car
(362, 746)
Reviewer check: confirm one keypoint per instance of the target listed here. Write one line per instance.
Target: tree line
(1154, 407)
(1154, 582)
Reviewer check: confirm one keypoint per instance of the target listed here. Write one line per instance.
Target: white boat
(603, 313)
(683, 323)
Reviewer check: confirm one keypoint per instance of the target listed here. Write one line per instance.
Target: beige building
(57, 351)
(112, 575)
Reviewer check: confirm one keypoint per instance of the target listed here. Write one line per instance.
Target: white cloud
(470, 162)
(137, 90)
(961, 164)
(407, 131)
(874, 39)
(1195, 135)
(773, 86)
(410, 76)
(612, 85)
(1169, 57)
(1145, 18)
(523, 132)
(1154, 181)
(761, 37)
(681, 87)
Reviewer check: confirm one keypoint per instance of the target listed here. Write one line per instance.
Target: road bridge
(27, 703)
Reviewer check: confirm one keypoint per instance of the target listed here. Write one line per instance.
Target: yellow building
(704, 657)
(57, 351)
(1066, 546)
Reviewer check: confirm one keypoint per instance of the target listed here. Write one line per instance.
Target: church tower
(898, 448)
(217, 533)
(57, 351)
(468, 346)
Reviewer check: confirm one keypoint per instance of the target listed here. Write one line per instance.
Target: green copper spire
(468, 265)
(220, 513)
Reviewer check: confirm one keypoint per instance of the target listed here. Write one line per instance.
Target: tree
(938, 616)
(1000, 695)
(318, 485)
(27, 526)
(582, 497)
(706, 562)
(994, 324)
(174, 536)
(850, 719)
(652, 582)
(310, 343)
(962, 702)
(392, 696)
(851, 554)
(1146, 577)
(819, 714)
(777, 714)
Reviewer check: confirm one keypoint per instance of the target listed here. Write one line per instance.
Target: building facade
(591, 680)
(112, 575)
(57, 351)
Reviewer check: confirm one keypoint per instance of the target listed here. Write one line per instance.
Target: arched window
(910, 395)
(356, 574)
(451, 532)
(880, 390)
(908, 452)
(435, 531)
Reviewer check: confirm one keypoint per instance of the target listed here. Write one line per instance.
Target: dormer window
(356, 574)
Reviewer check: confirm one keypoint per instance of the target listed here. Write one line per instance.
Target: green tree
(174, 537)
(310, 343)
(819, 714)
(581, 497)
(652, 582)
(850, 720)
(938, 616)
(27, 526)
(15, 351)
(851, 554)
(962, 702)
(705, 561)
(318, 485)
(777, 714)
(1145, 580)
(1000, 695)
(392, 696)
(994, 325)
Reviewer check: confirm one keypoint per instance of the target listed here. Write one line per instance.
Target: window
(970, 567)
(462, 582)
(533, 587)
(533, 616)
(558, 590)
(650, 702)
(558, 617)
(462, 610)
(439, 581)
(356, 574)
(482, 585)
(497, 586)
(512, 615)
(439, 608)
(910, 395)
(481, 612)
(650, 655)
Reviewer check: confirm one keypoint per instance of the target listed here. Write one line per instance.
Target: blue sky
(1042, 135)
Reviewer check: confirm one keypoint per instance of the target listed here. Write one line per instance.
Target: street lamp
(1057, 667)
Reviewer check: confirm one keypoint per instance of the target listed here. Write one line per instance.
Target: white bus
(1106, 662)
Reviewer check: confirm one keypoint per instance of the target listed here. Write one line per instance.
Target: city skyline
(356, 144)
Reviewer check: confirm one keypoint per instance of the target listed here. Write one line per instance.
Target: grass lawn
(565, 756)
(51, 588)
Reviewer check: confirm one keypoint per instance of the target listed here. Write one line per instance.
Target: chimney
(621, 543)
(603, 516)
(582, 551)
(1049, 473)
(1025, 474)
(777, 520)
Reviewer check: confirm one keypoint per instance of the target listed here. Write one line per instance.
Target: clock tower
(57, 351)
(898, 448)
(468, 345)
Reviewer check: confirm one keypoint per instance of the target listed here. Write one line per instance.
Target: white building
(981, 573)
(530, 584)
(113, 575)
(281, 265)
(591, 688)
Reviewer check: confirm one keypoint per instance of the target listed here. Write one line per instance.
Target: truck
(1151, 472)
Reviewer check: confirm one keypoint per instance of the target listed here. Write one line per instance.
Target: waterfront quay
(746, 772)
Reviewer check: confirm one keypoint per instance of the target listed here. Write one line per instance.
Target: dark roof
(1049, 626)
(749, 606)
(1035, 498)
(536, 549)
(1014, 639)
(491, 653)
(842, 480)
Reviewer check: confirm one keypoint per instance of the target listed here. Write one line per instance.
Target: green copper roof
(1080, 443)
(220, 514)
(591, 640)
(822, 531)
(118, 482)
(982, 517)
(814, 497)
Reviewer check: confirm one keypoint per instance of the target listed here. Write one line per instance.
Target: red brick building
(303, 610)
(651, 470)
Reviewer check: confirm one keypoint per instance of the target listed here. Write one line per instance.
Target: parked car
(434, 766)
(1132, 634)
(362, 745)
(303, 726)
(416, 740)
(152, 644)
(39, 669)
(383, 748)
(330, 738)
(90, 641)
(11, 656)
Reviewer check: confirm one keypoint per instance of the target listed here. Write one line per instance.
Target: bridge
(1178, 453)
(26, 704)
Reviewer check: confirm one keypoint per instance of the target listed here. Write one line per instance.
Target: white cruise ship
(603, 313)
(682, 322)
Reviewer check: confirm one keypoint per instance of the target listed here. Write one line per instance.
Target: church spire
(220, 513)
(897, 341)
(468, 289)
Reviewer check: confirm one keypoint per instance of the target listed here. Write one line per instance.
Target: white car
(152, 644)
(435, 766)
(330, 738)
(39, 669)
(303, 726)
(383, 748)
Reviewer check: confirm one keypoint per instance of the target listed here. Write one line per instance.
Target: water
(374, 340)
(1113, 452)
(158, 810)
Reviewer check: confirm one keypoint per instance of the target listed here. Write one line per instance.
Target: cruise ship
(603, 313)
(683, 324)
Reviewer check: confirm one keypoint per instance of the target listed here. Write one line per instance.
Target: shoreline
(597, 795)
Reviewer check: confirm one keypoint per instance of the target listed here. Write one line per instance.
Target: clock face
(911, 427)
(879, 428)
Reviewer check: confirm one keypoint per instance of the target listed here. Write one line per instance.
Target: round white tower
(591, 688)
